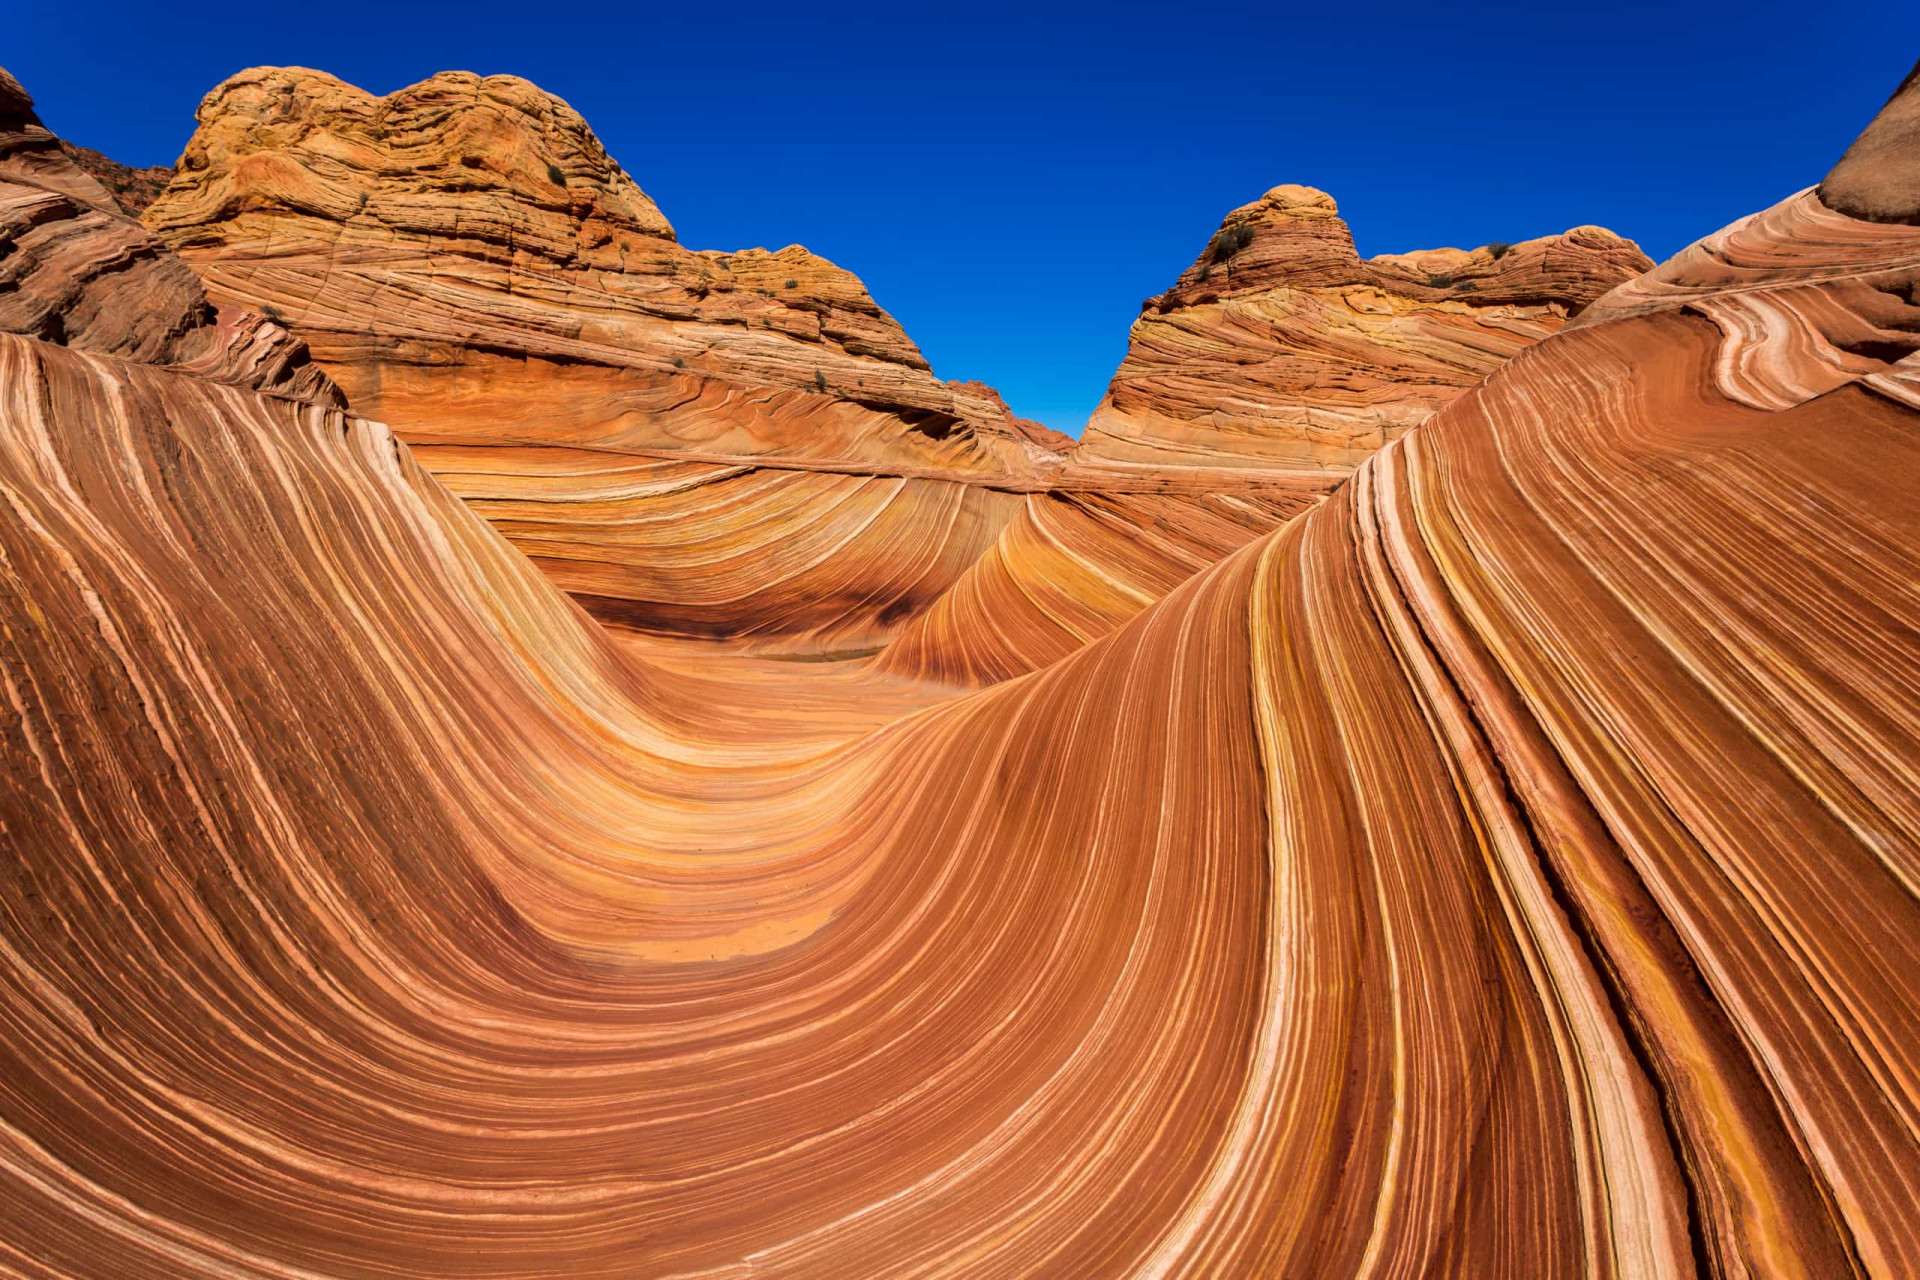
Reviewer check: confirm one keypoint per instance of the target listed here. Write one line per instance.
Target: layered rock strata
(1281, 347)
(133, 189)
(1505, 868)
(467, 260)
(78, 272)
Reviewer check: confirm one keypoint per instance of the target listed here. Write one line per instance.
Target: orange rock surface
(647, 422)
(1281, 347)
(467, 259)
(650, 424)
(1506, 867)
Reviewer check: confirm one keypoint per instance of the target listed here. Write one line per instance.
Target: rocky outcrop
(132, 189)
(75, 270)
(1878, 179)
(1281, 347)
(647, 422)
(468, 262)
(1277, 362)
(987, 409)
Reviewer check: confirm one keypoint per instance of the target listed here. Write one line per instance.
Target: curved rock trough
(1479, 837)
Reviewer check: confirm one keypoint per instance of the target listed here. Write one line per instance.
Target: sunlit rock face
(1281, 347)
(1276, 364)
(1504, 867)
(649, 423)
(468, 260)
(652, 425)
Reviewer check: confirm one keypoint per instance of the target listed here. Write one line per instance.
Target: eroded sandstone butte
(744, 446)
(1508, 867)
(1281, 347)
(726, 445)
(469, 261)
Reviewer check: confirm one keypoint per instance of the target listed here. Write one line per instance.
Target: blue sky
(1011, 180)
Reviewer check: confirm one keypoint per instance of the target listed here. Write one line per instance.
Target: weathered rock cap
(1294, 238)
(13, 96)
(1289, 200)
(457, 154)
(1878, 179)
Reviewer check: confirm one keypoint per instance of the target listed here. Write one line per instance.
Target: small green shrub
(678, 363)
(1442, 281)
(792, 284)
(556, 177)
(1499, 249)
(1231, 241)
(273, 313)
(1206, 271)
(819, 380)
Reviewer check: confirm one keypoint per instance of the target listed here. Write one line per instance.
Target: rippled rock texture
(649, 423)
(1506, 867)
(133, 189)
(466, 258)
(76, 271)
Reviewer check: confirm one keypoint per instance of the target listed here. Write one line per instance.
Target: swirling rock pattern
(1276, 363)
(470, 264)
(474, 268)
(1085, 556)
(769, 559)
(1510, 866)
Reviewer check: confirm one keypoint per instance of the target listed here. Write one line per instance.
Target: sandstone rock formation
(1506, 867)
(1082, 558)
(464, 256)
(649, 423)
(1875, 180)
(1281, 347)
(132, 189)
(1277, 362)
(77, 271)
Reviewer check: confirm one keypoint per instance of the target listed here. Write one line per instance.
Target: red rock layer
(765, 558)
(1281, 354)
(1281, 347)
(132, 189)
(1083, 558)
(77, 271)
(471, 265)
